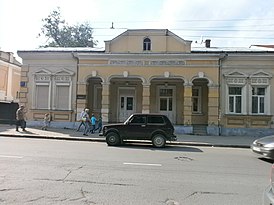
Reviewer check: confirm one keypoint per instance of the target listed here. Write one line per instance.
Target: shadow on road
(168, 148)
(271, 161)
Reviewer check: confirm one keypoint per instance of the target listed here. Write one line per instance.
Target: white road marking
(7, 156)
(141, 164)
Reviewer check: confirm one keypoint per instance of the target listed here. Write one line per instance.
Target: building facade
(150, 71)
(10, 70)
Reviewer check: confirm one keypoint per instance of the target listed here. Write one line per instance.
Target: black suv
(154, 127)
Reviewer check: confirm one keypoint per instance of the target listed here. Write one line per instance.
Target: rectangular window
(235, 99)
(42, 96)
(129, 103)
(138, 120)
(62, 97)
(258, 100)
(155, 120)
(196, 99)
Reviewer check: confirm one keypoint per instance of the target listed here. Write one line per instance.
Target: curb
(201, 144)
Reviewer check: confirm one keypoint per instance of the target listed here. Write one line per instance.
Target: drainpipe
(222, 58)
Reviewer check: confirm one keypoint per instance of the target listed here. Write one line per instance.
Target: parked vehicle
(269, 191)
(154, 127)
(264, 147)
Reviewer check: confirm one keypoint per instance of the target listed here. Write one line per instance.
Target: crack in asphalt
(83, 197)
(183, 158)
(10, 189)
(36, 199)
(71, 170)
(208, 192)
(84, 181)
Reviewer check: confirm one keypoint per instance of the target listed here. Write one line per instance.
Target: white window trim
(34, 91)
(266, 100)
(173, 120)
(243, 100)
(132, 89)
(60, 83)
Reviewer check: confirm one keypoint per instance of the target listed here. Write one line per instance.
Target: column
(105, 102)
(188, 104)
(146, 98)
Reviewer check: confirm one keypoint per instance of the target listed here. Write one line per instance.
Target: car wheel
(159, 140)
(113, 139)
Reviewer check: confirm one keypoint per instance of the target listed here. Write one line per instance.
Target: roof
(230, 49)
(68, 49)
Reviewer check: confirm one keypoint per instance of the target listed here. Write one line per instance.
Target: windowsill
(197, 113)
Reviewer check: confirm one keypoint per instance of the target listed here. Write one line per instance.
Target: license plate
(256, 149)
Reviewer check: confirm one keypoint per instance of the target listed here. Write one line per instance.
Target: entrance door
(167, 102)
(126, 104)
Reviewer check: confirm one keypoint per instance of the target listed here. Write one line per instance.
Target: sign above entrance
(81, 96)
(147, 63)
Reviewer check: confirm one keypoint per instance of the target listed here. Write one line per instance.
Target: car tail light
(272, 176)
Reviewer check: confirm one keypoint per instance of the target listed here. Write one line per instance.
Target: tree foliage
(60, 34)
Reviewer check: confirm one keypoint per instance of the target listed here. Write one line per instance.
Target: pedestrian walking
(87, 121)
(99, 124)
(21, 118)
(93, 123)
(46, 121)
(82, 120)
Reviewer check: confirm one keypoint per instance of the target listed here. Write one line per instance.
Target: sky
(228, 23)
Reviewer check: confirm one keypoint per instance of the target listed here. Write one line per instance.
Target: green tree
(60, 34)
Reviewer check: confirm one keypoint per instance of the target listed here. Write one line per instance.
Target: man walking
(81, 120)
(20, 117)
(87, 121)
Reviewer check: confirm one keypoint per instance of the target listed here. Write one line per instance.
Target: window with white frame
(41, 93)
(235, 99)
(62, 96)
(258, 100)
(196, 99)
(62, 92)
(147, 44)
(52, 90)
(42, 96)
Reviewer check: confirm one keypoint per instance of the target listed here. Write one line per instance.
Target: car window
(138, 120)
(155, 120)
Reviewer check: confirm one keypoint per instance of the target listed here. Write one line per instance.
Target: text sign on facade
(147, 63)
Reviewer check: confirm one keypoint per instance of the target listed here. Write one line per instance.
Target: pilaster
(146, 98)
(188, 104)
(105, 102)
(213, 105)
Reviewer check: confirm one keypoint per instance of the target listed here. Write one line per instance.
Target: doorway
(126, 104)
(166, 101)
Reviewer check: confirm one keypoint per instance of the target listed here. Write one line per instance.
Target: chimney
(207, 43)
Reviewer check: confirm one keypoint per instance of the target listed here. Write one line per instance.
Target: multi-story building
(152, 71)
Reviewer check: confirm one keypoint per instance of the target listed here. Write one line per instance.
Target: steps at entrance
(200, 129)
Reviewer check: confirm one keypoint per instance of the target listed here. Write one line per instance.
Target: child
(46, 121)
(93, 123)
(100, 124)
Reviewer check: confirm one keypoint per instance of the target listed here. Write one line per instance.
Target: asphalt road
(39, 171)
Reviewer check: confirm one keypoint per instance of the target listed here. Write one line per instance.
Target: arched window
(147, 44)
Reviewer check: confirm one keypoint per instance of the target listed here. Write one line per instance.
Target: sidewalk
(69, 134)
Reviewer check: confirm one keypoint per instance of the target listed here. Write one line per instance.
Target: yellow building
(144, 71)
(10, 70)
